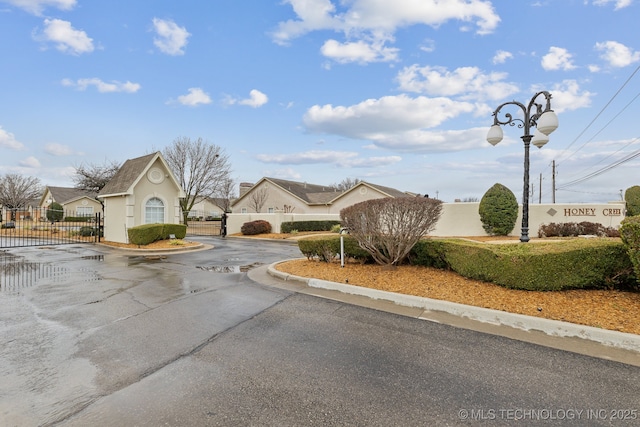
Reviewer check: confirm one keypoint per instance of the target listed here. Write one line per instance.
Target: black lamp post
(545, 121)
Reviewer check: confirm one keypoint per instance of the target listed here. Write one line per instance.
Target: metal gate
(43, 227)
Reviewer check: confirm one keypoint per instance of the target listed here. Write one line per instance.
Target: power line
(598, 133)
(601, 111)
(607, 168)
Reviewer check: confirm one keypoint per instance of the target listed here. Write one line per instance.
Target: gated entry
(40, 227)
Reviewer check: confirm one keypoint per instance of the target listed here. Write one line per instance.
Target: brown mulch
(607, 309)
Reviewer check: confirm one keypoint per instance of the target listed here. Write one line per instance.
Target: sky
(397, 93)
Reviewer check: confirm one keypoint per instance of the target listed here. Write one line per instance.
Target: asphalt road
(90, 336)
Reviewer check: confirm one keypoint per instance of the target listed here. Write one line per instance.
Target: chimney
(245, 187)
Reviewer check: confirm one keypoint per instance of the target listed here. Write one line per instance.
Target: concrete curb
(555, 328)
(165, 251)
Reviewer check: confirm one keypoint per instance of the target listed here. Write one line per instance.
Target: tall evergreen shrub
(632, 198)
(498, 211)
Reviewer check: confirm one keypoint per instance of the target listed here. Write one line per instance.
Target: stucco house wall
(127, 194)
(275, 201)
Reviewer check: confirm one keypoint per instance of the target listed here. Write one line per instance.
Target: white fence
(462, 219)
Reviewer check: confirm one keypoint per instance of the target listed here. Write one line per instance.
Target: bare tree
(346, 184)
(226, 193)
(93, 177)
(258, 198)
(16, 191)
(201, 168)
(388, 228)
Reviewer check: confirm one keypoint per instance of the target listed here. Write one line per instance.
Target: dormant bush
(388, 228)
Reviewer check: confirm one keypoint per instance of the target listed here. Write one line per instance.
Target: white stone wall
(462, 219)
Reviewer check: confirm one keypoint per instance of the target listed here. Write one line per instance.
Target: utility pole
(540, 190)
(553, 182)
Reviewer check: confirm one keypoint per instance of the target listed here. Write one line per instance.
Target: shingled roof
(64, 195)
(127, 175)
(313, 194)
(310, 193)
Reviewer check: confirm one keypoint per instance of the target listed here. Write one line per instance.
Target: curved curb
(523, 322)
(165, 251)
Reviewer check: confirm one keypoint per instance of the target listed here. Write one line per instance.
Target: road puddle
(229, 268)
(17, 273)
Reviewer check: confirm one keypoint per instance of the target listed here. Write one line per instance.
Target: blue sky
(398, 93)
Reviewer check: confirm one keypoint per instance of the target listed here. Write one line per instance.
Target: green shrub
(544, 266)
(541, 266)
(78, 219)
(55, 212)
(327, 248)
(630, 233)
(632, 199)
(288, 226)
(498, 211)
(149, 233)
(255, 227)
(88, 231)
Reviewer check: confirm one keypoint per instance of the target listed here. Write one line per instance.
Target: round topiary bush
(632, 198)
(498, 211)
(55, 212)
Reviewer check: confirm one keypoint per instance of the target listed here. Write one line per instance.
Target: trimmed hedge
(149, 233)
(289, 226)
(78, 218)
(543, 266)
(630, 233)
(540, 266)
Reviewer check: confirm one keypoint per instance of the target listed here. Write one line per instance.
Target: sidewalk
(595, 342)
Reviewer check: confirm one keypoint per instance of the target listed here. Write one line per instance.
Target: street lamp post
(545, 121)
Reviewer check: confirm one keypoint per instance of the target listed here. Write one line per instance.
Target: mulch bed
(607, 309)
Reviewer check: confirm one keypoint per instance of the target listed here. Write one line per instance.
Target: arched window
(154, 211)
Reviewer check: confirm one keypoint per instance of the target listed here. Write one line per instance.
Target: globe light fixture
(535, 116)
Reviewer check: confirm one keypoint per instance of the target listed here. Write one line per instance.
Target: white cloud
(619, 4)
(30, 162)
(256, 99)
(36, 7)
(66, 38)
(428, 45)
(369, 24)
(287, 173)
(359, 51)
(171, 39)
(557, 59)
(397, 122)
(617, 54)
(195, 97)
(8, 140)
(567, 96)
(338, 158)
(464, 82)
(58, 149)
(501, 56)
(101, 86)
(307, 157)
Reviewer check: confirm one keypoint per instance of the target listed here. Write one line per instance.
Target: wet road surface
(93, 337)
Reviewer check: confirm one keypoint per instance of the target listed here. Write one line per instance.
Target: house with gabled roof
(271, 195)
(143, 191)
(74, 202)
(206, 208)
